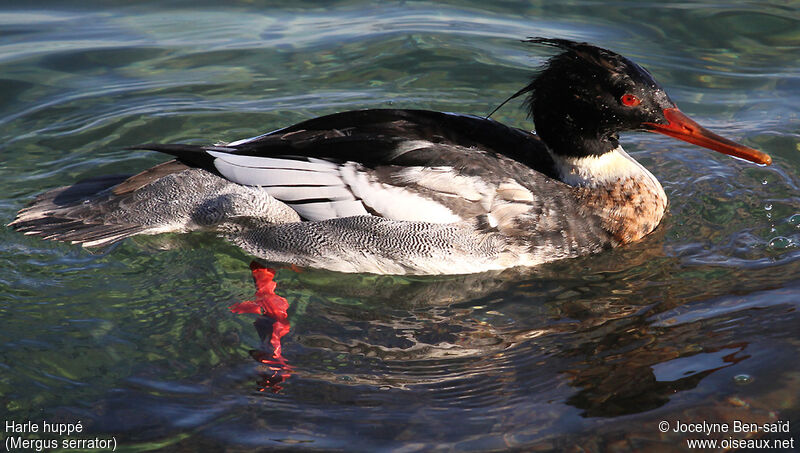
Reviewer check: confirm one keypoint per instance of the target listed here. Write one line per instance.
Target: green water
(138, 343)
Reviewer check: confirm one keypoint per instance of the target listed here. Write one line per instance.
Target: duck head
(586, 95)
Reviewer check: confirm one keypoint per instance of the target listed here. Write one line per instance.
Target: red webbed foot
(268, 304)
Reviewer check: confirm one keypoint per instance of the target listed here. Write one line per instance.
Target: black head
(586, 95)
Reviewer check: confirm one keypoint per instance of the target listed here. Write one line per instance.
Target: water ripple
(138, 340)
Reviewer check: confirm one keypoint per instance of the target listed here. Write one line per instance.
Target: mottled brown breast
(629, 209)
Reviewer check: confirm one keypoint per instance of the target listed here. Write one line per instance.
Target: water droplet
(768, 207)
(742, 379)
(780, 243)
(795, 220)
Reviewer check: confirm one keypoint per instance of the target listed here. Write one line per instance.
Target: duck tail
(61, 215)
(90, 212)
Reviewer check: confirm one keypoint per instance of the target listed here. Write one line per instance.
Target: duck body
(395, 191)
(382, 191)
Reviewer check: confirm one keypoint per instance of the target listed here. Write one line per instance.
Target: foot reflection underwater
(274, 321)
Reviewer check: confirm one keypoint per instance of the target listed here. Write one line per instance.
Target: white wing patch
(275, 162)
(270, 171)
(394, 202)
(301, 193)
(320, 190)
(445, 180)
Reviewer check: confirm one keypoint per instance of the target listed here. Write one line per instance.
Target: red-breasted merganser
(410, 191)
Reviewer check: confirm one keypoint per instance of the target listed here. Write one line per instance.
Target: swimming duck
(410, 191)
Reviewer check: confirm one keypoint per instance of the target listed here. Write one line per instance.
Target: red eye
(630, 100)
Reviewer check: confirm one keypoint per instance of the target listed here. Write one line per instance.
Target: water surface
(698, 322)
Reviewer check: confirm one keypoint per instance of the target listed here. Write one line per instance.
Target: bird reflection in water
(609, 387)
(611, 350)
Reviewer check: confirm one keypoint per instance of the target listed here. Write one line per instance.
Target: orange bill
(684, 128)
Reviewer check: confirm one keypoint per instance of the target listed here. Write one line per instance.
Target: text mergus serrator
(410, 191)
